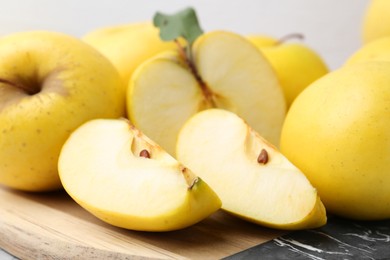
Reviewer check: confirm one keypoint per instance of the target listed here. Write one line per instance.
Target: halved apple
(119, 175)
(253, 179)
(225, 71)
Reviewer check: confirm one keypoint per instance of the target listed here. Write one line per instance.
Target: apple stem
(193, 183)
(186, 54)
(190, 178)
(185, 25)
(290, 36)
(19, 86)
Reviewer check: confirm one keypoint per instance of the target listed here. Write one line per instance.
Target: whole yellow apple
(376, 21)
(50, 83)
(338, 133)
(296, 64)
(128, 45)
(377, 49)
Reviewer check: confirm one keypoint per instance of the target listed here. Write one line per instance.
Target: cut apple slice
(253, 179)
(125, 179)
(226, 71)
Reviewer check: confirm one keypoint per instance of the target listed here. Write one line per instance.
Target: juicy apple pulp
(254, 180)
(227, 72)
(122, 177)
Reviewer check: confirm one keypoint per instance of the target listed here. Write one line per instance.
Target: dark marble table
(338, 239)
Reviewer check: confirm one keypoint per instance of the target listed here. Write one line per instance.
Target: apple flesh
(254, 180)
(50, 83)
(122, 177)
(228, 72)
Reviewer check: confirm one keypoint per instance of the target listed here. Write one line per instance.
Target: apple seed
(144, 153)
(263, 157)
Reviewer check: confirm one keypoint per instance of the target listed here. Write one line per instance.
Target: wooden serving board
(53, 226)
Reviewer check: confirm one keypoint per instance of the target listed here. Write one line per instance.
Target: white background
(331, 27)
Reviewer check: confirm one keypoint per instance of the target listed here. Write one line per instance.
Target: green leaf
(182, 24)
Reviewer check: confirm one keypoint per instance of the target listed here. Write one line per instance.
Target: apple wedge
(225, 71)
(119, 175)
(253, 179)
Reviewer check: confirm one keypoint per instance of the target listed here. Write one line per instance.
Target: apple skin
(296, 64)
(377, 49)
(67, 83)
(376, 20)
(128, 45)
(337, 133)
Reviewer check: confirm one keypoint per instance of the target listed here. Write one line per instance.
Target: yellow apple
(338, 133)
(227, 72)
(122, 177)
(376, 21)
(377, 49)
(50, 83)
(128, 45)
(252, 178)
(296, 64)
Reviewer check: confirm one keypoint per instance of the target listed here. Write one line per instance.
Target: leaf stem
(186, 54)
(290, 36)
